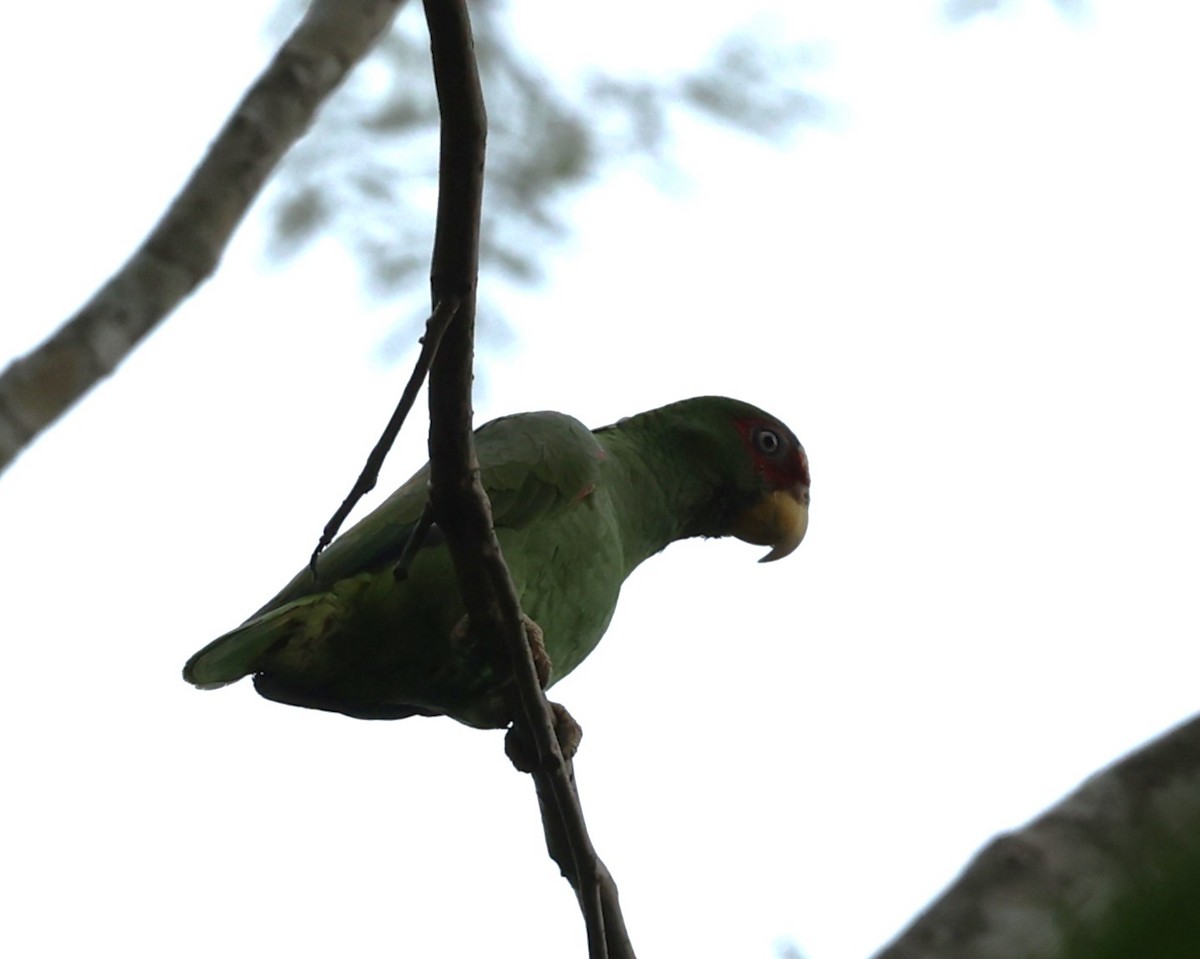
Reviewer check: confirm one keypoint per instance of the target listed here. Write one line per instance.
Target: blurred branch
(959, 11)
(460, 504)
(184, 247)
(1111, 871)
(549, 137)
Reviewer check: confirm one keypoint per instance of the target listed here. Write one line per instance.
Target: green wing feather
(533, 466)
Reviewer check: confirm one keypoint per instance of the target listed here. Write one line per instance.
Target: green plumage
(575, 512)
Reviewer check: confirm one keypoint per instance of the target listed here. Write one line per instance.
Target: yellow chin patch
(778, 520)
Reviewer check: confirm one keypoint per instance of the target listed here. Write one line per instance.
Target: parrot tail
(241, 651)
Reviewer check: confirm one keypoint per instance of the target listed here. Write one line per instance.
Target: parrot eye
(767, 441)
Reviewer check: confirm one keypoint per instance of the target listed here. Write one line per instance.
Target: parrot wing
(533, 466)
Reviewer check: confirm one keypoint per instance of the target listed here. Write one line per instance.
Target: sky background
(972, 294)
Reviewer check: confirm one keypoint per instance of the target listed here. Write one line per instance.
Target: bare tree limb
(185, 246)
(1111, 871)
(435, 328)
(570, 845)
(459, 501)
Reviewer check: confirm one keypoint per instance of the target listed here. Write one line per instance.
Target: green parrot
(575, 511)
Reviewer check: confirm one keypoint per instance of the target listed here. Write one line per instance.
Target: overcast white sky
(974, 298)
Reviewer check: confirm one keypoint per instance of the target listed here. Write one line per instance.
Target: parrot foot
(460, 638)
(566, 730)
(537, 647)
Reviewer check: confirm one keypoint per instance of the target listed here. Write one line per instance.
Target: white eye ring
(768, 441)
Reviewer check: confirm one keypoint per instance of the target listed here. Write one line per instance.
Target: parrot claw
(566, 730)
(461, 638)
(537, 647)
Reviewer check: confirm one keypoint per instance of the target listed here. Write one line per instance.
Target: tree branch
(184, 247)
(1111, 871)
(435, 328)
(459, 501)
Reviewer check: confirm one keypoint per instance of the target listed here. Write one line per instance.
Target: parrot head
(751, 468)
(777, 515)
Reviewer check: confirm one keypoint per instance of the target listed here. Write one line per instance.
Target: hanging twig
(435, 328)
(184, 247)
(415, 539)
(459, 501)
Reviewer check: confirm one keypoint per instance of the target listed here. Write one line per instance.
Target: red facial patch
(784, 467)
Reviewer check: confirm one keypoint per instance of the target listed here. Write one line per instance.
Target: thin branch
(185, 246)
(435, 328)
(561, 845)
(567, 837)
(459, 500)
(415, 539)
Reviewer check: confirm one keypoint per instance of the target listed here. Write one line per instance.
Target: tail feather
(240, 652)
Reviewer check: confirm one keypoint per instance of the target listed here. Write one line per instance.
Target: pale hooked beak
(778, 520)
